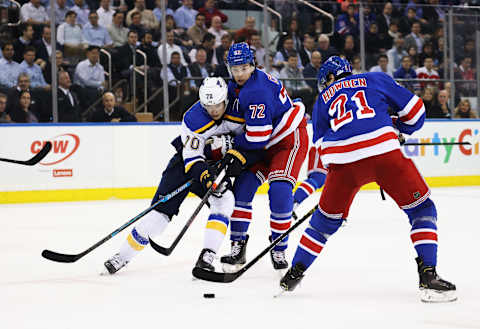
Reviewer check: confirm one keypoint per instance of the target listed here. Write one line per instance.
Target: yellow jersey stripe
(190, 164)
(217, 225)
(207, 126)
(232, 118)
(134, 244)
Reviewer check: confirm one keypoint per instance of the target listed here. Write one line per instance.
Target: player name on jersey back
(352, 83)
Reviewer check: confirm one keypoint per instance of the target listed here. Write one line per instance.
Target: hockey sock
(314, 238)
(244, 190)
(281, 206)
(307, 187)
(423, 219)
(220, 211)
(152, 225)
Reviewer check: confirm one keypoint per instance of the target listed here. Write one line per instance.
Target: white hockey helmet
(213, 91)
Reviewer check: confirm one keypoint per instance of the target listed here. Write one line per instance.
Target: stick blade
(211, 276)
(61, 258)
(40, 155)
(162, 250)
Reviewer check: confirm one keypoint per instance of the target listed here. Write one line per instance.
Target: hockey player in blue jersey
(359, 145)
(208, 119)
(273, 124)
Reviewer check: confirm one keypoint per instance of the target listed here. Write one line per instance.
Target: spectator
(180, 36)
(294, 33)
(95, 34)
(427, 72)
(382, 65)
(33, 70)
(225, 45)
(118, 32)
(197, 31)
(221, 69)
(34, 13)
(4, 116)
(171, 48)
(462, 111)
(90, 76)
(158, 10)
(9, 68)
(147, 47)
(412, 52)
(311, 69)
(369, 16)
(349, 49)
(61, 10)
(125, 55)
(105, 14)
(383, 20)
(406, 72)
(217, 30)
(210, 11)
(185, 15)
(434, 15)
(324, 46)
(70, 36)
(357, 65)
(176, 71)
(391, 35)
(110, 112)
(44, 45)
(208, 43)
(406, 22)
(428, 99)
(23, 112)
(396, 54)
(25, 40)
(468, 50)
(427, 51)
(440, 109)
(13, 96)
(137, 25)
(347, 23)
(306, 50)
(465, 72)
(281, 57)
(199, 69)
(246, 32)
(67, 100)
(82, 12)
(62, 65)
(147, 18)
(374, 44)
(259, 50)
(415, 38)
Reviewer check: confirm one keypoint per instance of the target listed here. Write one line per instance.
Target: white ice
(365, 277)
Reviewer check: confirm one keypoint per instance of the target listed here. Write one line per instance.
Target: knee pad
(323, 224)
(245, 186)
(281, 197)
(223, 205)
(425, 211)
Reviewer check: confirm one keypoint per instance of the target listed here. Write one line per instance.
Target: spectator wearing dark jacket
(111, 113)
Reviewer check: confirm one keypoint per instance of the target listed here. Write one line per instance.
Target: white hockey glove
(221, 143)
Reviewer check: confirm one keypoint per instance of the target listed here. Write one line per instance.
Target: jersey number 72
(344, 117)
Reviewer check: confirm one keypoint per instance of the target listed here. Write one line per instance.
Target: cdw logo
(63, 147)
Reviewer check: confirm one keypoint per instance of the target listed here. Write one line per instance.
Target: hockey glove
(220, 145)
(207, 178)
(233, 162)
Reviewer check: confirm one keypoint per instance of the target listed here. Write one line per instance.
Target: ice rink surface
(366, 276)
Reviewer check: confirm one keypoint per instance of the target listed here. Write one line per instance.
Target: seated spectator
(221, 69)
(9, 68)
(428, 99)
(220, 50)
(406, 22)
(197, 31)
(95, 34)
(383, 19)
(347, 23)
(208, 43)
(199, 69)
(296, 87)
(105, 13)
(396, 54)
(412, 52)
(125, 55)
(357, 65)
(82, 11)
(293, 32)
(406, 72)
(44, 46)
(311, 69)
(373, 42)
(23, 112)
(217, 30)
(171, 48)
(427, 72)
(462, 111)
(465, 72)
(324, 47)
(415, 38)
(136, 24)
(349, 50)
(158, 10)
(62, 65)
(111, 113)
(90, 76)
(13, 96)
(118, 32)
(67, 100)
(147, 18)
(147, 47)
(468, 50)
(176, 71)
(210, 11)
(25, 40)
(440, 109)
(185, 15)
(34, 13)
(246, 32)
(33, 70)
(61, 10)
(4, 116)
(281, 57)
(70, 36)
(259, 50)
(392, 34)
(305, 51)
(382, 65)
(180, 35)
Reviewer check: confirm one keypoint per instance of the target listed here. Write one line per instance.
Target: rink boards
(125, 161)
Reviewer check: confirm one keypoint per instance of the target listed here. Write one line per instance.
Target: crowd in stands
(402, 39)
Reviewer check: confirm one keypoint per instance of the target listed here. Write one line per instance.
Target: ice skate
(114, 264)
(278, 258)
(293, 277)
(237, 258)
(205, 260)
(434, 289)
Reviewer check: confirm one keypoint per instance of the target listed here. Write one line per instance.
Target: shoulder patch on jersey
(197, 119)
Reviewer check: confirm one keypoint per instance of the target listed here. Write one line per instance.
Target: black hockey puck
(209, 295)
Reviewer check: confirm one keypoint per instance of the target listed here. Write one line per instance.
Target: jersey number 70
(344, 117)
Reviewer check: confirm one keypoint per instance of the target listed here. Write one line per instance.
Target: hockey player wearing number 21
(360, 145)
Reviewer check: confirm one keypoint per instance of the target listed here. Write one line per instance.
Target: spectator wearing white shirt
(82, 12)
(396, 54)
(105, 13)
(217, 30)
(33, 70)
(96, 34)
(171, 47)
(185, 15)
(34, 13)
(90, 76)
(70, 36)
(148, 19)
(382, 65)
(259, 49)
(118, 32)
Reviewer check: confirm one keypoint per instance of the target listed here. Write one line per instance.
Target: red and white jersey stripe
(256, 134)
(359, 147)
(423, 236)
(290, 121)
(310, 245)
(413, 111)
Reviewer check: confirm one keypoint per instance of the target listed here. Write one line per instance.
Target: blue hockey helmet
(333, 65)
(240, 53)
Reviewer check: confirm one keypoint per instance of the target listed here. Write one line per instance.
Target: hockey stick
(66, 258)
(167, 251)
(36, 159)
(203, 274)
(434, 144)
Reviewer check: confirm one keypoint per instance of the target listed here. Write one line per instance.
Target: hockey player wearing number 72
(359, 145)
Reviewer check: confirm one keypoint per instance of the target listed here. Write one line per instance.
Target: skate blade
(436, 296)
(229, 268)
(280, 293)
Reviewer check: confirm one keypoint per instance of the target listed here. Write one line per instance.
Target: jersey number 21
(344, 117)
